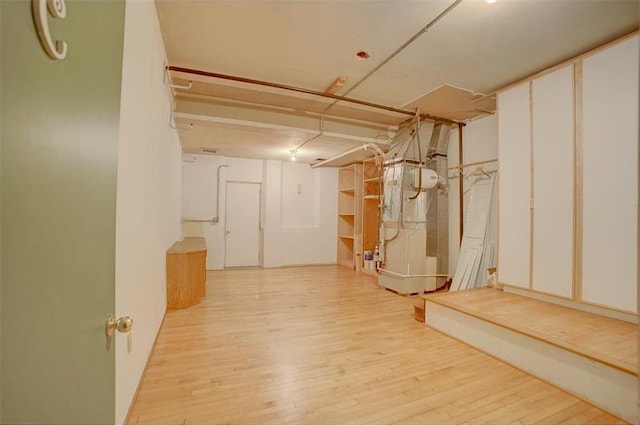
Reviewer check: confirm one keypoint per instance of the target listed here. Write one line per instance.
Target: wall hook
(57, 9)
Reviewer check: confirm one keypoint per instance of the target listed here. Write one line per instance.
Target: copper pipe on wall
(309, 92)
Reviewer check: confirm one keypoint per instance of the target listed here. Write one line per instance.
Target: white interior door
(553, 183)
(242, 239)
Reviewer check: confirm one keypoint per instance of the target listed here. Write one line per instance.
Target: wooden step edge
(594, 356)
(419, 314)
(420, 310)
(438, 294)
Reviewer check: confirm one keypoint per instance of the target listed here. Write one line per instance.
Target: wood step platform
(590, 356)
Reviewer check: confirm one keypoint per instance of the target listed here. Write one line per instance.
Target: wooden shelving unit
(350, 216)
(359, 192)
(371, 193)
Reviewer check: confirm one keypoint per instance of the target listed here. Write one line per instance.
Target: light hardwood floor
(325, 345)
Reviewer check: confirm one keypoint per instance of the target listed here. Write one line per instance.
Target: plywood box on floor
(186, 272)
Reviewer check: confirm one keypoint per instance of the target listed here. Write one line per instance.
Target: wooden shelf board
(373, 179)
(371, 197)
(348, 237)
(346, 214)
(348, 190)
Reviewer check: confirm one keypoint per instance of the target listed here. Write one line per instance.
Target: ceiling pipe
(338, 98)
(320, 133)
(390, 57)
(401, 48)
(367, 146)
(307, 91)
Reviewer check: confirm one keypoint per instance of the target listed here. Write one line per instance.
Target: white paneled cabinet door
(514, 154)
(553, 183)
(242, 228)
(610, 182)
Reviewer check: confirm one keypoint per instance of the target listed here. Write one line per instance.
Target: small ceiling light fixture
(491, 1)
(293, 154)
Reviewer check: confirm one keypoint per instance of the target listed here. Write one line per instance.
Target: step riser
(606, 387)
(418, 313)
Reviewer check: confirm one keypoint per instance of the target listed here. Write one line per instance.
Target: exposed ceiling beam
(263, 125)
(307, 91)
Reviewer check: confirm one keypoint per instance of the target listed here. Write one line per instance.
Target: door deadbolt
(122, 324)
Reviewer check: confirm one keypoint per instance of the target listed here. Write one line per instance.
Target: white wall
(479, 143)
(199, 197)
(297, 228)
(148, 196)
(300, 228)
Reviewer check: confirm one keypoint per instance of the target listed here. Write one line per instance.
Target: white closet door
(610, 182)
(553, 183)
(242, 241)
(514, 154)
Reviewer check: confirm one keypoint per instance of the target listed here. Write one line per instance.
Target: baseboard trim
(127, 419)
(293, 265)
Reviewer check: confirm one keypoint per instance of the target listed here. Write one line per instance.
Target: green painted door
(58, 136)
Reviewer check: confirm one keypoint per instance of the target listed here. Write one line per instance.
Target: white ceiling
(477, 46)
